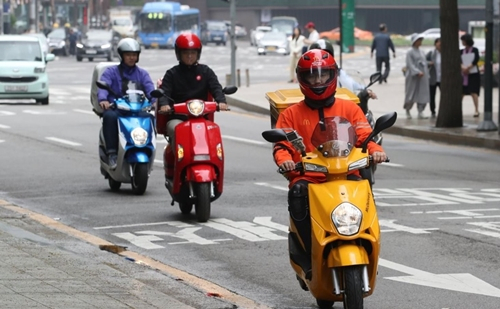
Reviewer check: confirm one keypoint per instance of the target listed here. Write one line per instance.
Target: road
(438, 204)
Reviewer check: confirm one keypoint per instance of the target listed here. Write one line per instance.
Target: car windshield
(98, 35)
(335, 138)
(20, 51)
(274, 36)
(217, 27)
(122, 22)
(57, 34)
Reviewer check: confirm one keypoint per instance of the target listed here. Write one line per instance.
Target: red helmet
(317, 74)
(187, 41)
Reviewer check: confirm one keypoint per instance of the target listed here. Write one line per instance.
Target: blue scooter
(137, 142)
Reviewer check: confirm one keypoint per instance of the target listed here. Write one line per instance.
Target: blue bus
(161, 22)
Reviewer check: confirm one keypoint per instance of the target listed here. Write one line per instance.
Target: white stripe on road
(2, 126)
(159, 161)
(265, 184)
(63, 141)
(392, 164)
(244, 140)
(84, 111)
(1, 141)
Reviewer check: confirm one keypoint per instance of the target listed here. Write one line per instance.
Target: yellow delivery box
(279, 100)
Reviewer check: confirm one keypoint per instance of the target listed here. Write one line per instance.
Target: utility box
(279, 100)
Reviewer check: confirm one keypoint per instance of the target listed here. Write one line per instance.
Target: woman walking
(296, 44)
(470, 72)
(416, 78)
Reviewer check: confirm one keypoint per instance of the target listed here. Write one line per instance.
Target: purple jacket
(111, 76)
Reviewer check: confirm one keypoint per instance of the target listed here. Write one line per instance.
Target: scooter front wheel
(140, 178)
(353, 287)
(202, 206)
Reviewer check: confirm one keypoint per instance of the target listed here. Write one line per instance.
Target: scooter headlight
(139, 136)
(347, 219)
(196, 107)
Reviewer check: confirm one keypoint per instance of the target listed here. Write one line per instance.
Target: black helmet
(128, 45)
(324, 45)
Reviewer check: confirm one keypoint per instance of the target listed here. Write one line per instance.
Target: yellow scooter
(345, 232)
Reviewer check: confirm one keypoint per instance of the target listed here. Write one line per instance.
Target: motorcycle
(345, 233)
(194, 167)
(137, 142)
(357, 86)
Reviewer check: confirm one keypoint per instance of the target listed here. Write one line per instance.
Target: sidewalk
(391, 98)
(43, 268)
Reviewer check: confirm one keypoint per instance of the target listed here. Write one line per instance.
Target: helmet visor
(317, 77)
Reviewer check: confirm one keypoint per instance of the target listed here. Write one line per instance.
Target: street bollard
(228, 80)
(247, 74)
(239, 77)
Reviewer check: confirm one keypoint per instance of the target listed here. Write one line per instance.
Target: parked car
(22, 69)
(257, 33)
(57, 43)
(274, 42)
(429, 34)
(239, 30)
(214, 31)
(43, 40)
(97, 44)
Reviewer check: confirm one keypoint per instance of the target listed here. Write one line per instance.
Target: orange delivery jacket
(304, 119)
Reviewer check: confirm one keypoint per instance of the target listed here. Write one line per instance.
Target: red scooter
(194, 167)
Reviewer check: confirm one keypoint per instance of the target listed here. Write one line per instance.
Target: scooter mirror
(230, 89)
(157, 93)
(274, 135)
(383, 122)
(375, 77)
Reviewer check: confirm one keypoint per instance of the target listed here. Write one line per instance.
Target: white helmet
(128, 45)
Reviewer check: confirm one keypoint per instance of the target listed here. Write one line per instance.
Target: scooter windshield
(335, 138)
(135, 96)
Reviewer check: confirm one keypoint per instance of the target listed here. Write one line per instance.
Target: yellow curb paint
(196, 282)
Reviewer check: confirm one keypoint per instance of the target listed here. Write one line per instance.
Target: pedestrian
(434, 62)
(381, 44)
(416, 78)
(313, 36)
(296, 44)
(73, 38)
(470, 72)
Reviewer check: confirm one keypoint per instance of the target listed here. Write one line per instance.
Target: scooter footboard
(201, 173)
(347, 255)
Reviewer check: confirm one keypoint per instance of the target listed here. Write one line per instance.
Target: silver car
(257, 34)
(274, 42)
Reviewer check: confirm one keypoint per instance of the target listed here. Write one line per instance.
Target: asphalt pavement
(390, 98)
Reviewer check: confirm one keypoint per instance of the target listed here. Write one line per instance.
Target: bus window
(186, 22)
(156, 22)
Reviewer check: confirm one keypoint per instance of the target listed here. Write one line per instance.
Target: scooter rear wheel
(113, 184)
(202, 191)
(324, 304)
(186, 208)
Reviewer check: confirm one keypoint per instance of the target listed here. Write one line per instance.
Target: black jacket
(182, 83)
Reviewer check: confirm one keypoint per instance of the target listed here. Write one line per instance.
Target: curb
(448, 137)
(232, 101)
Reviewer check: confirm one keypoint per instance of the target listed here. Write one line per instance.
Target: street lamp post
(1, 17)
(232, 14)
(487, 124)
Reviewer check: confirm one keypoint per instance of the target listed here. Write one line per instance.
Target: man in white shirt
(434, 62)
(313, 36)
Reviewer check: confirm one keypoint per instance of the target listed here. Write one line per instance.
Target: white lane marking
(244, 140)
(84, 111)
(391, 164)
(130, 225)
(2, 126)
(158, 161)
(265, 184)
(63, 141)
(1, 141)
(6, 113)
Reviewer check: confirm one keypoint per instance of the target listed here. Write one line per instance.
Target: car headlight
(79, 45)
(347, 219)
(139, 136)
(196, 107)
(39, 70)
(105, 46)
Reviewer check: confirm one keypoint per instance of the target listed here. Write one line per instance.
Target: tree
(450, 103)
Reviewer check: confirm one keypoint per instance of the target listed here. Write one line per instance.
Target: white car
(429, 34)
(257, 34)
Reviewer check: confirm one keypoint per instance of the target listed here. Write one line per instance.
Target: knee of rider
(298, 202)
